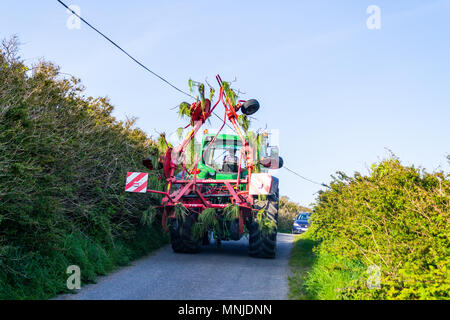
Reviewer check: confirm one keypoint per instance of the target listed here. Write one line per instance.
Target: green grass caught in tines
(231, 212)
(207, 220)
(265, 224)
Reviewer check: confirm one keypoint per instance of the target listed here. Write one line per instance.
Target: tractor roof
(223, 136)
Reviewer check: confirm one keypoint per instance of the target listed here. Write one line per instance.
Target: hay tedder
(226, 192)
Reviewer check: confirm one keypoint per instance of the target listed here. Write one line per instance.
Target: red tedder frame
(200, 201)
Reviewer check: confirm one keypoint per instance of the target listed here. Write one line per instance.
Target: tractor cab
(221, 157)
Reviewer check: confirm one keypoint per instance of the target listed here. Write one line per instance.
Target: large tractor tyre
(181, 238)
(263, 244)
(206, 240)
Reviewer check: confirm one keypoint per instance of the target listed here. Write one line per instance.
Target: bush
(396, 218)
(63, 164)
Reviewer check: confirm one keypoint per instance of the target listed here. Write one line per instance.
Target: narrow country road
(225, 273)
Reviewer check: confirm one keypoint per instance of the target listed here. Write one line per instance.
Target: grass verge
(317, 274)
(43, 276)
(301, 261)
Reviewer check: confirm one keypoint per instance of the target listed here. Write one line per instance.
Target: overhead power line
(306, 179)
(131, 57)
(125, 52)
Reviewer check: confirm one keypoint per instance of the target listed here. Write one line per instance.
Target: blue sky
(339, 93)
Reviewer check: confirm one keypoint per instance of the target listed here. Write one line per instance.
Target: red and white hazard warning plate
(136, 182)
(260, 183)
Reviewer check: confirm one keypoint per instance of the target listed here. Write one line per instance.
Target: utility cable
(304, 178)
(131, 57)
(125, 52)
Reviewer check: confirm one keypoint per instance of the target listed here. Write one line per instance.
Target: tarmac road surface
(225, 273)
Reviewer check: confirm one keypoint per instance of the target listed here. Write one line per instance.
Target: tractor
(226, 192)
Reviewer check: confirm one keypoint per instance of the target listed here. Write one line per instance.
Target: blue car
(301, 222)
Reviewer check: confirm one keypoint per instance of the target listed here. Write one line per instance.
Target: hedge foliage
(395, 218)
(63, 164)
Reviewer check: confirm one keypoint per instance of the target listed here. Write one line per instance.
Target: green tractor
(226, 175)
(227, 192)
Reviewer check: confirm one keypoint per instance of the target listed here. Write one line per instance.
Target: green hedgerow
(63, 165)
(396, 218)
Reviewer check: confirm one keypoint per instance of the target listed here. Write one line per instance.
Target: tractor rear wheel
(263, 243)
(180, 235)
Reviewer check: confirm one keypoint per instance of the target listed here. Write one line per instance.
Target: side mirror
(280, 162)
(272, 163)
